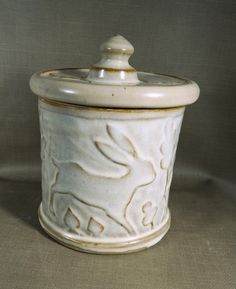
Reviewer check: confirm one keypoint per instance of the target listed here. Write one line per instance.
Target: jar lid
(112, 82)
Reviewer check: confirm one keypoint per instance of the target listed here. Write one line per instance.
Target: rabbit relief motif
(95, 203)
(152, 200)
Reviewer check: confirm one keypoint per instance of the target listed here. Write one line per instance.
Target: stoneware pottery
(108, 141)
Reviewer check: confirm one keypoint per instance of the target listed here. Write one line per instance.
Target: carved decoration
(107, 181)
(95, 227)
(71, 220)
(168, 150)
(149, 213)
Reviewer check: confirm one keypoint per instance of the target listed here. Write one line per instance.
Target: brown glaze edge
(112, 69)
(118, 51)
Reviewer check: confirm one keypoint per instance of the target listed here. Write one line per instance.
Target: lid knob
(114, 68)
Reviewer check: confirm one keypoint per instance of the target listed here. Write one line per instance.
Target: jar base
(129, 245)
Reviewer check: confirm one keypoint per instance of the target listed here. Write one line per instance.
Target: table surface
(199, 251)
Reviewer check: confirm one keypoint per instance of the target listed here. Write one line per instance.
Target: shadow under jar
(109, 136)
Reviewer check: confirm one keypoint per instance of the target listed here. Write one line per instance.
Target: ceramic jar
(108, 141)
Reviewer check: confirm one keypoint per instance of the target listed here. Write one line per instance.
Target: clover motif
(149, 213)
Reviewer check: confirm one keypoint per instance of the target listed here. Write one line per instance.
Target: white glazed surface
(112, 82)
(156, 91)
(114, 67)
(106, 174)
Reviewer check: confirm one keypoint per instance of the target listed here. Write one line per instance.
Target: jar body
(106, 175)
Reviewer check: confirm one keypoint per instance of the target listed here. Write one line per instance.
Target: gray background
(194, 39)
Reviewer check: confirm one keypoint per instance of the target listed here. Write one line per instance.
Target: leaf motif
(121, 139)
(95, 227)
(71, 220)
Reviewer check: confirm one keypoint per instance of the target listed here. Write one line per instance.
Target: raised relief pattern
(109, 192)
(71, 220)
(149, 212)
(95, 227)
(95, 201)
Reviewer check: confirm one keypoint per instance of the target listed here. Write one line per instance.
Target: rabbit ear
(111, 153)
(121, 140)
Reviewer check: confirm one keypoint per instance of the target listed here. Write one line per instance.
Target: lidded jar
(109, 136)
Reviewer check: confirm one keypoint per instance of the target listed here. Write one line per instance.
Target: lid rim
(125, 96)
